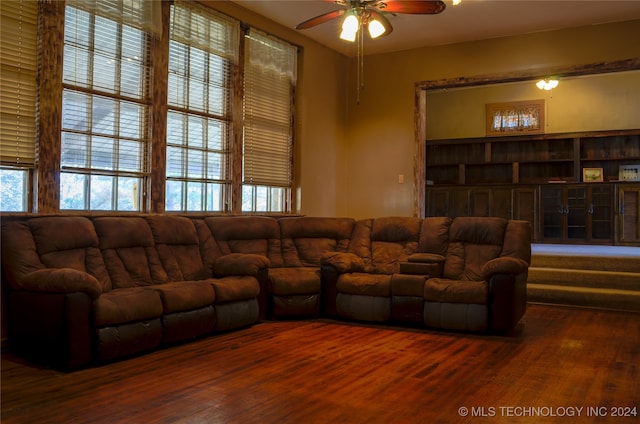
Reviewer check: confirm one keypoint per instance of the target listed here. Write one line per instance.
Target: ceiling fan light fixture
(350, 27)
(376, 29)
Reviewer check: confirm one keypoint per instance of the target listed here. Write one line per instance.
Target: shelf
(531, 159)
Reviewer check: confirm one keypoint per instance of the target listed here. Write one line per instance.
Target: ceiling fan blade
(321, 19)
(388, 28)
(418, 7)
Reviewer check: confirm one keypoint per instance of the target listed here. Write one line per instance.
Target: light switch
(400, 178)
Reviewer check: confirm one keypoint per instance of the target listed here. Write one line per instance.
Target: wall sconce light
(547, 84)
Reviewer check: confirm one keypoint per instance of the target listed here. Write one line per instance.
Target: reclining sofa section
(82, 290)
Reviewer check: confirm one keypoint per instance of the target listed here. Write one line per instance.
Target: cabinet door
(553, 213)
(600, 214)
(576, 214)
(458, 203)
(629, 214)
(447, 201)
(501, 205)
(480, 202)
(437, 202)
(524, 208)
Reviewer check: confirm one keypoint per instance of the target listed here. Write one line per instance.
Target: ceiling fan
(369, 13)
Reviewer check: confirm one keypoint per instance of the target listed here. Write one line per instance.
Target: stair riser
(579, 278)
(583, 298)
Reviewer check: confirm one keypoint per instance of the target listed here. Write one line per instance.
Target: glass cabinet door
(552, 212)
(576, 213)
(600, 211)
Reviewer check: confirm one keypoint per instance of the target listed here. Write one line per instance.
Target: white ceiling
(471, 20)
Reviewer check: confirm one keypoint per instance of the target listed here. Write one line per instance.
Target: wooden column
(156, 188)
(50, 104)
(234, 203)
(420, 153)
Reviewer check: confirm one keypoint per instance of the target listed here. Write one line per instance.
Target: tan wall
(320, 159)
(380, 136)
(587, 103)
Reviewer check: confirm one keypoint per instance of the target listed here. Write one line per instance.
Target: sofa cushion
(290, 281)
(306, 239)
(378, 285)
(452, 291)
(235, 288)
(69, 242)
(392, 241)
(178, 247)
(434, 235)
(127, 305)
(179, 296)
(472, 243)
(250, 234)
(385, 242)
(129, 252)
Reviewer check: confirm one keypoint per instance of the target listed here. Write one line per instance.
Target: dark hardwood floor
(566, 365)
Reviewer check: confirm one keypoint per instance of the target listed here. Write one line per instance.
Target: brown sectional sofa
(81, 290)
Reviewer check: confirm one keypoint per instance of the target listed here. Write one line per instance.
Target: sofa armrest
(343, 261)
(240, 264)
(504, 265)
(423, 264)
(508, 301)
(61, 280)
(426, 258)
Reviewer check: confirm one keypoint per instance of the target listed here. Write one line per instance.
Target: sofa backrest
(129, 251)
(434, 235)
(473, 241)
(178, 246)
(52, 242)
(385, 242)
(247, 234)
(305, 239)
(517, 240)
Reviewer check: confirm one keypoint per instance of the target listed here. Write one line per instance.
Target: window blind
(269, 81)
(18, 85)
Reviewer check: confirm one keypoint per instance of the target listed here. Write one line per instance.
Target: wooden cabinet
(502, 201)
(580, 213)
(539, 178)
(628, 218)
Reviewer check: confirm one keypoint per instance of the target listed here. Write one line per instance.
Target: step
(585, 278)
(609, 263)
(624, 300)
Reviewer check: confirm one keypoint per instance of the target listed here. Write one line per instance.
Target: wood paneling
(324, 371)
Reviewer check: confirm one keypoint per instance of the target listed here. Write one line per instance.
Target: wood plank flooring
(322, 371)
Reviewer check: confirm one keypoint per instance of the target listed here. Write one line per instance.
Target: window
(269, 82)
(104, 106)
(18, 93)
(202, 52)
(219, 140)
